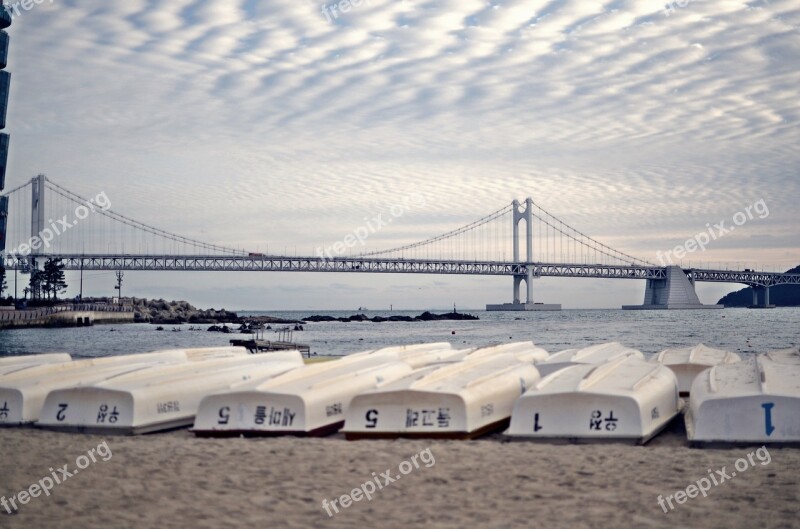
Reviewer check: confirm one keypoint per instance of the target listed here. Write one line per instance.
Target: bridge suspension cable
(500, 213)
(81, 201)
(595, 249)
(18, 188)
(491, 239)
(72, 224)
(488, 239)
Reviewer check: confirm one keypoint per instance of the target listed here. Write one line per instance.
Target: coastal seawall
(65, 316)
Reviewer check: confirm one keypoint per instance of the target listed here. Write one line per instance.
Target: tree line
(45, 284)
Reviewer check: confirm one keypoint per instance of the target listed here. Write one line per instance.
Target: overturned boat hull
(752, 402)
(158, 398)
(21, 399)
(311, 401)
(594, 355)
(464, 400)
(35, 359)
(418, 416)
(627, 400)
(688, 362)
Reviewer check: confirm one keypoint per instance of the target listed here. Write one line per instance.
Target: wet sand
(174, 480)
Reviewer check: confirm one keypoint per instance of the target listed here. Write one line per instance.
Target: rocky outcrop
(159, 311)
(425, 316)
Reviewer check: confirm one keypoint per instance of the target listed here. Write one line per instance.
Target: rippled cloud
(634, 125)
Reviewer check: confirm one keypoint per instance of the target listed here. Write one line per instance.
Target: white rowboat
(624, 400)
(523, 351)
(688, 362)
(754, 401)
(461, 400)
(160, 397)
(44, 358)
(594, 354)
(22, 392)
(418, 355)
(12, 364)
(310, 401)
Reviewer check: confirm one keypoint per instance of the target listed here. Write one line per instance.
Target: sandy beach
(175, 480)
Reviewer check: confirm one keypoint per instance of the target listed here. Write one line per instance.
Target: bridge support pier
(764, 296)
(529, 305)
(676, 291)
(517, 283)
(518, 279)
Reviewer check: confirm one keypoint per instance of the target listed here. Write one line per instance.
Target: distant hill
(781, 295)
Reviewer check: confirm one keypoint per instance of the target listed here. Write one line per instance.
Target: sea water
(738, 330)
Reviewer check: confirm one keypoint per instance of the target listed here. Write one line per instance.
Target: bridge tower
(529, 305)
(37, 209)
(527, 216)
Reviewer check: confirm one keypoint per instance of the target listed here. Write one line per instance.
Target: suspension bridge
(48, 221)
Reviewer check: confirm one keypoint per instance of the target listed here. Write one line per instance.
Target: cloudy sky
(283, 124)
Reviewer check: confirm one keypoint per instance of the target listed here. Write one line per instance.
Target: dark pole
(120, 274)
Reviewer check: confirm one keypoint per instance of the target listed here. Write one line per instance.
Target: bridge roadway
(370, 265)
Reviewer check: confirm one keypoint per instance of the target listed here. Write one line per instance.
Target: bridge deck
(389, 266)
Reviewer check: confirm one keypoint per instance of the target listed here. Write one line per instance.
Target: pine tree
(37, 276)
(54, 281)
